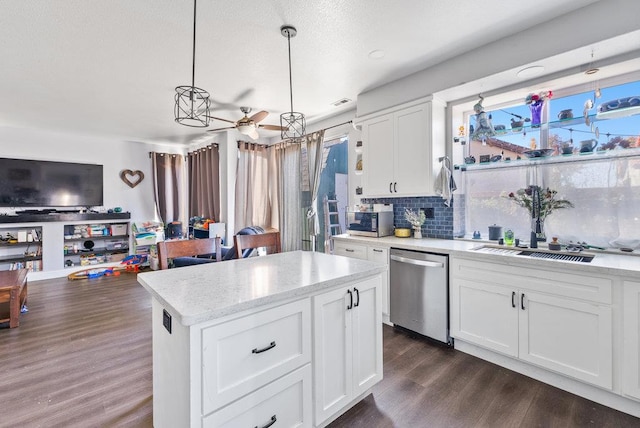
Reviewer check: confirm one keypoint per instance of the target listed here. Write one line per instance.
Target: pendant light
(192, 103)
(292, 123)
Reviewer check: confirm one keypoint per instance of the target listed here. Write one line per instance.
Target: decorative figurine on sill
(484, 128)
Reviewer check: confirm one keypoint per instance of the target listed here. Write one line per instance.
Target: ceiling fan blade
(220, 129)
(273, 127)
(224, 120)
(253, 134)
(259, 116)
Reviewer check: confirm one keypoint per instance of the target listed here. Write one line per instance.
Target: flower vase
(417, 233)
(536, 112)
(541, 236)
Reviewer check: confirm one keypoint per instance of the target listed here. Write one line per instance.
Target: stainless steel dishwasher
(419, 292)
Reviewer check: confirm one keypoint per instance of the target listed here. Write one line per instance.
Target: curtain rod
(340, 124)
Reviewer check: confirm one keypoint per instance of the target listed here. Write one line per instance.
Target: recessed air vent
(341, 101)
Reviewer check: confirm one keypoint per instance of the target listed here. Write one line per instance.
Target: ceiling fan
(248, 125)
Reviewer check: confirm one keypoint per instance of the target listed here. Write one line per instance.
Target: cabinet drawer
(355, 251)
(286, 401)
(244, 354)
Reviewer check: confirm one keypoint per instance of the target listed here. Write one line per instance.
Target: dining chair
(269, 240)
(183, 252)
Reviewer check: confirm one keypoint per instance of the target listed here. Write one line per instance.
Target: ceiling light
(191, 103)
(376, 54)
(292, 123)
(246, 128)
(534, 70)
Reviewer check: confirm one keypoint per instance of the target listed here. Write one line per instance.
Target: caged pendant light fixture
(192, 103)
(292, 123)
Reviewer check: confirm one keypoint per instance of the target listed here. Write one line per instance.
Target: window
(593, 161)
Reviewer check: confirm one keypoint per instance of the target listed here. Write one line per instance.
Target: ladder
(331, 222)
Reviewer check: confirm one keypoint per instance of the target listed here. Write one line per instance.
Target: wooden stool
(13, 289)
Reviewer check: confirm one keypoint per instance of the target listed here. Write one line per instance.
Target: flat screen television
(36, 183)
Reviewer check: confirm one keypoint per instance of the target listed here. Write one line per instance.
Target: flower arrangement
(416, 219)
(548, 201)
(535, 98)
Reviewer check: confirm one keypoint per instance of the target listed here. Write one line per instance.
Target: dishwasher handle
(416, 261)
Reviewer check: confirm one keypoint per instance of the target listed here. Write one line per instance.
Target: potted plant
(416, 219)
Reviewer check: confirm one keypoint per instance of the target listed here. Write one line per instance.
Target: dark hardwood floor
(82, 358)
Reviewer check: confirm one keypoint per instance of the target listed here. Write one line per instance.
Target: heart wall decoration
(131, 178)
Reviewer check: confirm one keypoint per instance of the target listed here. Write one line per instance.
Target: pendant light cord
(193, 60)
(290, 79)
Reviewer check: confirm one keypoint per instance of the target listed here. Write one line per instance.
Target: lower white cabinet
(347, 354)
(373, 253)
(631, 334)
(283, 403)
(531, 316)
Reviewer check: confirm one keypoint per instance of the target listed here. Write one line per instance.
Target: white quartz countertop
(606, 263)
(201, 293)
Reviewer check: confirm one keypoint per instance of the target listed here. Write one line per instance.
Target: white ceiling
(109, 68)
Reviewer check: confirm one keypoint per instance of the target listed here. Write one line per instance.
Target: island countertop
(204, 292)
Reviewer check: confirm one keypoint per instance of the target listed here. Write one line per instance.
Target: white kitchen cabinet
(347, 355)
(372, 253)
(401, 148)
(631, 333)
(482, 313)
(285, 402)
(536, 316)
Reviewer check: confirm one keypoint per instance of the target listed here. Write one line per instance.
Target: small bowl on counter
(538, 153)
(402, 232)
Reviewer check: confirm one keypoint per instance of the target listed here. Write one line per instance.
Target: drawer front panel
(355, 251)
(286, 402)
(560, 283)
(244, 354)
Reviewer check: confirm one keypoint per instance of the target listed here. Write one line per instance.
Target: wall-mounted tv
(36, 183)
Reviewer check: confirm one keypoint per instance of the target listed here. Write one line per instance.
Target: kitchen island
(293, 337)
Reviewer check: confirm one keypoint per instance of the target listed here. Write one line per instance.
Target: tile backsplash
(441, 226)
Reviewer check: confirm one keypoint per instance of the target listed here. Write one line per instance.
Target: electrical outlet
(428, 212)
(166, 320)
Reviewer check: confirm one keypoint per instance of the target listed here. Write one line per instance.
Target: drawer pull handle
(375, 250)
(349, 250)
(271, 422)
(258, 351)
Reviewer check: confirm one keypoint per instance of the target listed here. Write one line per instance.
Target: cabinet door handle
(390, 186)
(375, 250)
(522, 301)
(266, 348)
(394, 187)
(268, 424)
(513, 299)
(357, 297)
(350, 300)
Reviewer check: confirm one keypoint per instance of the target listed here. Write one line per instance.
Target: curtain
(169, 186)
(284, 173)
(314, 158)
(204, 180)
(252, 189)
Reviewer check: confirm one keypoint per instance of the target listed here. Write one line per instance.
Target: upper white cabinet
(401, 148)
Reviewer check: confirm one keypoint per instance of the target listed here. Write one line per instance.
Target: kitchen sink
(536, 253)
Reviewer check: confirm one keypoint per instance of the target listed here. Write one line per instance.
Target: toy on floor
(129, 264)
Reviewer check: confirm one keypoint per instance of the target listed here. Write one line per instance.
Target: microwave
(368, 223)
